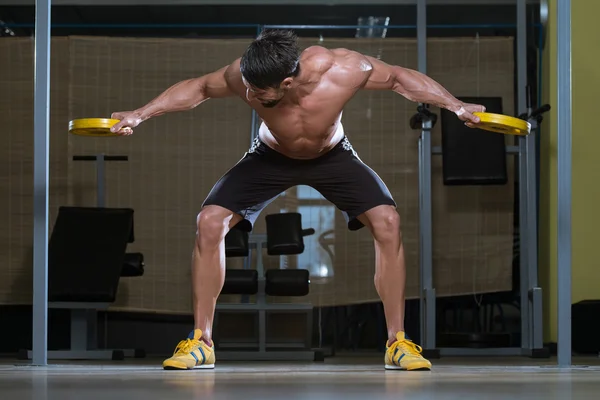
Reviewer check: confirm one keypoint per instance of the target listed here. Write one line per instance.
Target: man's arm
(415, 86)
(182, 96)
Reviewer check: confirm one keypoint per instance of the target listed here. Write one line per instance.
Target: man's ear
(287, 83)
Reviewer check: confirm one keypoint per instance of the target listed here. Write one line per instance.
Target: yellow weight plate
(503, 124)
(92, 127)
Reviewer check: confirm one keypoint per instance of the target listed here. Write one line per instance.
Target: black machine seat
(86, 254)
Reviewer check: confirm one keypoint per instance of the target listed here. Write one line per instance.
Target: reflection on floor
(336, 378)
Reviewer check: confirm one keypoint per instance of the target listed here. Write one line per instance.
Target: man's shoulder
(233, 75)
(316, 55)
(340, 57)
(324, 54)
(233, 70)
(321, 59)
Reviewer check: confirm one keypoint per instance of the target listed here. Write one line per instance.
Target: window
(319, 250)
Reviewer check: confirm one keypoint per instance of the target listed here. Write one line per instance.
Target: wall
(585, 42)
(175, 159)
(586, 144)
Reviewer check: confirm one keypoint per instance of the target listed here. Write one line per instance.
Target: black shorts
(263, 173)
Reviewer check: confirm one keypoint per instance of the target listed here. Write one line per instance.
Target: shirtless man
(300, 97)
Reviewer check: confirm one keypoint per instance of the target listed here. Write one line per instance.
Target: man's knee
(386, 225)
(212, 225)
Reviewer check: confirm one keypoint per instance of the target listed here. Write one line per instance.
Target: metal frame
(261, 307)
(563, 244)
(84, 338)
(531, 293)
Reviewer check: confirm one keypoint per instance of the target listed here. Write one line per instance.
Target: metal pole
(524, 228)
(536, 328)
(427, 302)
(100, 181)
(255, 119)
(563, 30)
(41, 134)
(422, 35)
(428, 299)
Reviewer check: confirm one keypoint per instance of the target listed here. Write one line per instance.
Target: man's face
(268, 98)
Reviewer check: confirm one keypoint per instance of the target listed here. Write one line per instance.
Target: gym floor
(337, 378)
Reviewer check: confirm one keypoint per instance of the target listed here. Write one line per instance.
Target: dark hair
(270, 58)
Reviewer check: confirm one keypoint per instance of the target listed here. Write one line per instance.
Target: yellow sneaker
(406, 355)
(191, 353)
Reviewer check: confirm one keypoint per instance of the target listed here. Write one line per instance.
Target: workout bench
(86, 259)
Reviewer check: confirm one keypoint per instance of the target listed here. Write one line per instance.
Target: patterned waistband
(342, 144)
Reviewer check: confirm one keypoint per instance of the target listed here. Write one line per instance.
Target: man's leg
(390, 268)
(238, 197)
(208, 276)
(390, 281)
(360, 193)
(208, 264)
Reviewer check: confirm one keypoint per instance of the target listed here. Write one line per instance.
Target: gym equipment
(92, 127)
(471, 156)
(287, 282)
(273, 282)
(240, 281)
(530, 293)
(84, 269)
(285, 234)
(502, 124)
(133, 265)
(236, 243)
(84, 310)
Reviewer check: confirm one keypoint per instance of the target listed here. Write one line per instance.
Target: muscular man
(300, 97)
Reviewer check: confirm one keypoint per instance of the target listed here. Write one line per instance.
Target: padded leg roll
(287, 282)
(133, 265)
(240, 281)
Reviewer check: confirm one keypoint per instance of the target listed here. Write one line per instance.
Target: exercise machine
(85, 266)
(530, 294)
(284, 237)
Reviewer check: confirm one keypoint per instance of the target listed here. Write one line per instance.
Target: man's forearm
(182, 96)
(420, 88)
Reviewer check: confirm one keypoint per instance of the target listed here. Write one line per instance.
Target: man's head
(269, 66)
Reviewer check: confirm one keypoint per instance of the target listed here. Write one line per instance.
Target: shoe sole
(207, 366)
(396, 368)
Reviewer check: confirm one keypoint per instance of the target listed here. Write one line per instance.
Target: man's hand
(127, 121)
(465, 113)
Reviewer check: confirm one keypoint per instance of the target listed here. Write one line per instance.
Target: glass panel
(319, 250)
(308, 193)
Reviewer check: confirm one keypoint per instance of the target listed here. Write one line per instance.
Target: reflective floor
(339, 378)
